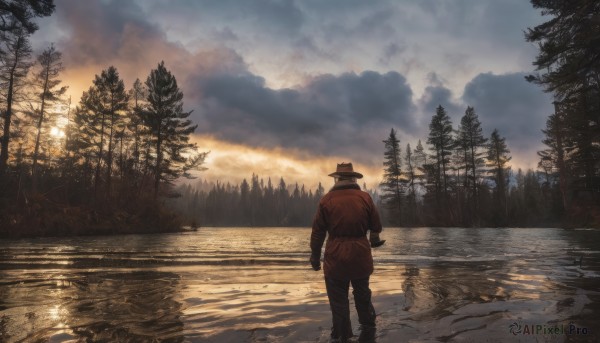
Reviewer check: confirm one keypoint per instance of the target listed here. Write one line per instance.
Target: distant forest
(254, 203)
(108, 164)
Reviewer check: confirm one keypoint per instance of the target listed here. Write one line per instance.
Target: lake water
(255, 285)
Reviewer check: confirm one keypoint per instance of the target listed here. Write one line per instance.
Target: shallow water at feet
(255, 285)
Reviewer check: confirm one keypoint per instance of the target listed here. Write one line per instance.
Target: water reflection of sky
(239, 284)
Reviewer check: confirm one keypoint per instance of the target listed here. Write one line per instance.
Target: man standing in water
(346, 213)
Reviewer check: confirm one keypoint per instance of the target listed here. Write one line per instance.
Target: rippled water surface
(255, 285)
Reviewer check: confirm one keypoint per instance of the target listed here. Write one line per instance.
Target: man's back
(348, 212)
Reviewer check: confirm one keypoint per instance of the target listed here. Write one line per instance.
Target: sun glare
(57, 132)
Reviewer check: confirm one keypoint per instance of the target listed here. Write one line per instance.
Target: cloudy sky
(289, 87)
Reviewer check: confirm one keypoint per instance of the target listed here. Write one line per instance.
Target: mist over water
(256, 285)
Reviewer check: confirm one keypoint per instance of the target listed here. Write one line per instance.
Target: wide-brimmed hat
(345, 169)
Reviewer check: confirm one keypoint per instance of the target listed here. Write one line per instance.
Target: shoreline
(108, 229)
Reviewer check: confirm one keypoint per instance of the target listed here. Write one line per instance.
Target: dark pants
(337, 291)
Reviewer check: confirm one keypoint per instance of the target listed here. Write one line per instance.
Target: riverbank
(42, 217)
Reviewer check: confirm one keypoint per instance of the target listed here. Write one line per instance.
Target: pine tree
(319, 192)
(498, 158)
(114, 103)
(17, 14)
(48, 93)
(470, 139)
(553, 159)
(245, 210)
(169, 128)
(282, 195)
(88, 139)
(442, 143)
(14, 66)
(419, 161)
(103, 109)
(270, 204)
(411, 180)
(569, 44)
(392, 185)
(137, 96)
(568, 65)
(255, 200)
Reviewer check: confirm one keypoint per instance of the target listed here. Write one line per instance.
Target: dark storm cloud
(99, 29)
(435, 96)
(329, 115)
(119, 33)
(499, 21)
(516, 108)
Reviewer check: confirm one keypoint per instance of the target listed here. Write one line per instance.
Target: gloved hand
(315, 262)
(375, 240)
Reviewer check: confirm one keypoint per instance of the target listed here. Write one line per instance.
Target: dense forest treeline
(254, 203)
(108, 163)
(461, 178)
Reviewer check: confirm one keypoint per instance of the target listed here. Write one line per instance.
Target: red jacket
(346, 213)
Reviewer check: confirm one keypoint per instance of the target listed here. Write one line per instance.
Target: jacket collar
(345, 184)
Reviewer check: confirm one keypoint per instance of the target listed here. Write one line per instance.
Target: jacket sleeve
(374, 219)
(319, 232)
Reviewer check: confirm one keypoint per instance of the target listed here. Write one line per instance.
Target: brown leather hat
(345, 169)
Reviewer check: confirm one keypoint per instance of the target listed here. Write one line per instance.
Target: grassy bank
(42, 217)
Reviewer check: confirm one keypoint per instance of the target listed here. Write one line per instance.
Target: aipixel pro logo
(544, 329)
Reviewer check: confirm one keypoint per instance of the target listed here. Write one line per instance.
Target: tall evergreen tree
(15, 62)
(411, 185)
(319, 192)
(498, 158)
(137, 96)
(114, 103)
(269, 202)
(554, 158)
(583, 144)
(16, 14)
(80, 151)
(442, 143)
(419, 156)
(568, 65)
(470, 139)
(91, 133)
(48, 94)
(569, 43)
(255, 200)
(392, 185)
(245, 210)
(282, 195)
(103, 109)
(169, 128)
